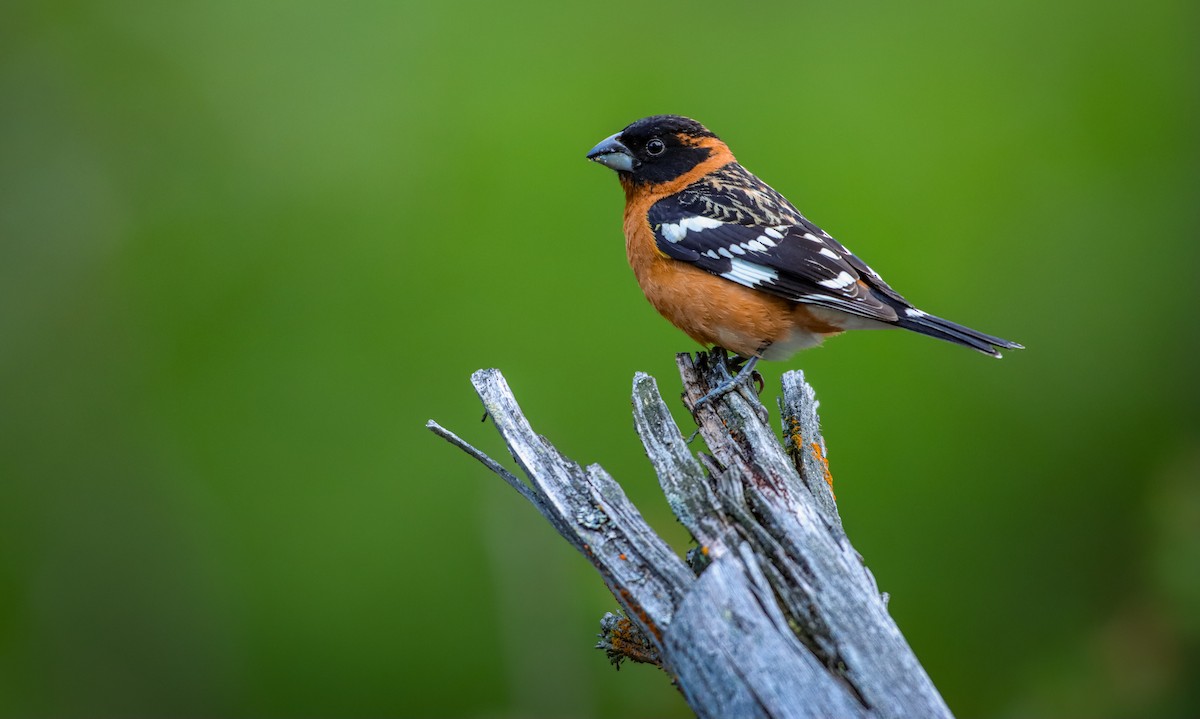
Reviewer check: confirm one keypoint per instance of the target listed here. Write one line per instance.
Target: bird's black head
(657, 149)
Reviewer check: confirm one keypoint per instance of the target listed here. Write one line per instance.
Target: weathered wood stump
(773, 614)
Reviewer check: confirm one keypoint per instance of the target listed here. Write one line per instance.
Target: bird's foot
(747, 374)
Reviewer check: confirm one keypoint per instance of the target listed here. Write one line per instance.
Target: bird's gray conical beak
(612, 154)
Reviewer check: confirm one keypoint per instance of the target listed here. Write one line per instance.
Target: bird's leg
(746, 373)
(730, 362)
(736, 363)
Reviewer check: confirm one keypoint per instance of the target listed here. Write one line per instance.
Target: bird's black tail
(927, 324)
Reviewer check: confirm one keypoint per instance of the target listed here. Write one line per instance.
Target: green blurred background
(247, 249)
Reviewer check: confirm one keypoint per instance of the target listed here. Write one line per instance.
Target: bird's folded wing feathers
(716, 228)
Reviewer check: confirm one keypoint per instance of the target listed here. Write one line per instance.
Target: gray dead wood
(774, 614)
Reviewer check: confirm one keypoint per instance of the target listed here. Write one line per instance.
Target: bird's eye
(655, 146)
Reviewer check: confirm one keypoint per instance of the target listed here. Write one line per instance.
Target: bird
(734, 264)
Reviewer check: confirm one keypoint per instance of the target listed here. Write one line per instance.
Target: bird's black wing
(735, 226)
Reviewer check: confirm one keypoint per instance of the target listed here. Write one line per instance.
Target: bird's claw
(747, 374)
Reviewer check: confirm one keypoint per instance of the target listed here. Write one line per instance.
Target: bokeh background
(247, 249)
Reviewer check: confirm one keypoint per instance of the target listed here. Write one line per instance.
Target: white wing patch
(676, 231)
(748, 273)
(813, 238)
(843, 280)
(830, 253)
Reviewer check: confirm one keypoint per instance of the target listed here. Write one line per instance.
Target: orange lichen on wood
(820, 455)
(794, 436)
(635, 608)
(626, 641)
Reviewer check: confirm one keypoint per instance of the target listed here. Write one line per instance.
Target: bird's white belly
(795, 341)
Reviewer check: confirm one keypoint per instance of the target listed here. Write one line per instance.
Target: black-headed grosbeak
(732, 263)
